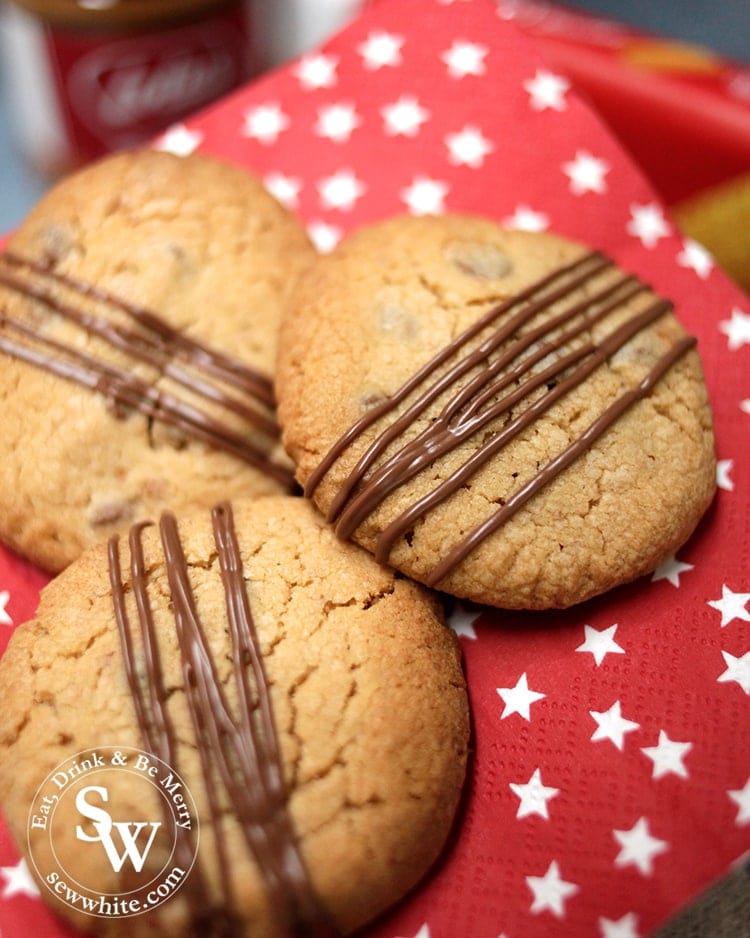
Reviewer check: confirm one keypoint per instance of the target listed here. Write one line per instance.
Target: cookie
(502, 415)
(139, 309)
(325, 775)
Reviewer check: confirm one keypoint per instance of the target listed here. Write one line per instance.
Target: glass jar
(87, 77)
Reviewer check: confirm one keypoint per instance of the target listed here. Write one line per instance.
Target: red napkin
(662, 98)
(610, 780)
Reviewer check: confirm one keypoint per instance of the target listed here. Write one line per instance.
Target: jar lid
(117, 13)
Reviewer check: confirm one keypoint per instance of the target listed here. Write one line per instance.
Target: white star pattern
(731, 605)
(325, 237)
(745, 406)
(341, 190)
(179, 140)
(519, 699)
(465, 58)
(723, 479)
(547, 91)
(265, 123)
(425, 196)
(534, 796)
(736, 329)
(381, 50)
(550, 891)
(424, 931)
(18, 881)
(284, 188)
(647, 223)
(404, 117)
(612, 725)
(638, 847)
(316, 71)
(738, 669)
(667, 756)
(5, 618)
(526, 219)
(461, 621)
(468, 147)
(625, 927)
(600, 642)
(586, 173)
(695, 257)
(741, 797)
(337, 122)
(671, 570)
(509, 9)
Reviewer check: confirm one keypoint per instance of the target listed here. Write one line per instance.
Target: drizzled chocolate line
(597, 263)
(158, 345)
(561, 461)
(476, 405)
(149, 698)
(142, 347)
(449, 437)
(240, 750)
(127, 389)
(263, 760)
(229, 370)
(625, 287)
(445, 434)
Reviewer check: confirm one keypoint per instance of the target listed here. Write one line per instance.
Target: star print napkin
(660, 96)
(610, 779)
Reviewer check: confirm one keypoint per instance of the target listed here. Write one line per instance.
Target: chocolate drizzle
(145, 338)
(501, 377)
(238, 747)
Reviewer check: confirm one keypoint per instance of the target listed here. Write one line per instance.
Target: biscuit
(502, 415)
(365, 688)
(139, 309)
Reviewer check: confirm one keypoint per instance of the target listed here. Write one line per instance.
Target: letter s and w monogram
(128, 832)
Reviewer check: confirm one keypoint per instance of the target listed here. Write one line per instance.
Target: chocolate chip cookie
(502, 415)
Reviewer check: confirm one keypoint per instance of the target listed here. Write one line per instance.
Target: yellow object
(719, 218)
(667, 56)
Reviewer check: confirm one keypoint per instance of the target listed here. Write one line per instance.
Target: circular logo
(113, 832)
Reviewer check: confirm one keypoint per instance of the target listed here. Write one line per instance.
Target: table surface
(723, 26)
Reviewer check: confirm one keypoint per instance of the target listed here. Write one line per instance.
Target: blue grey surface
(20, 186)
(723, 25)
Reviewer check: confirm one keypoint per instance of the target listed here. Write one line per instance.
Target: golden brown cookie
(139, 307)
(503, 415)
(368, 708)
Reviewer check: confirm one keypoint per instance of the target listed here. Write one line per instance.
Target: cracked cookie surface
(366, 688)
(395, 298)
(202, 246)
